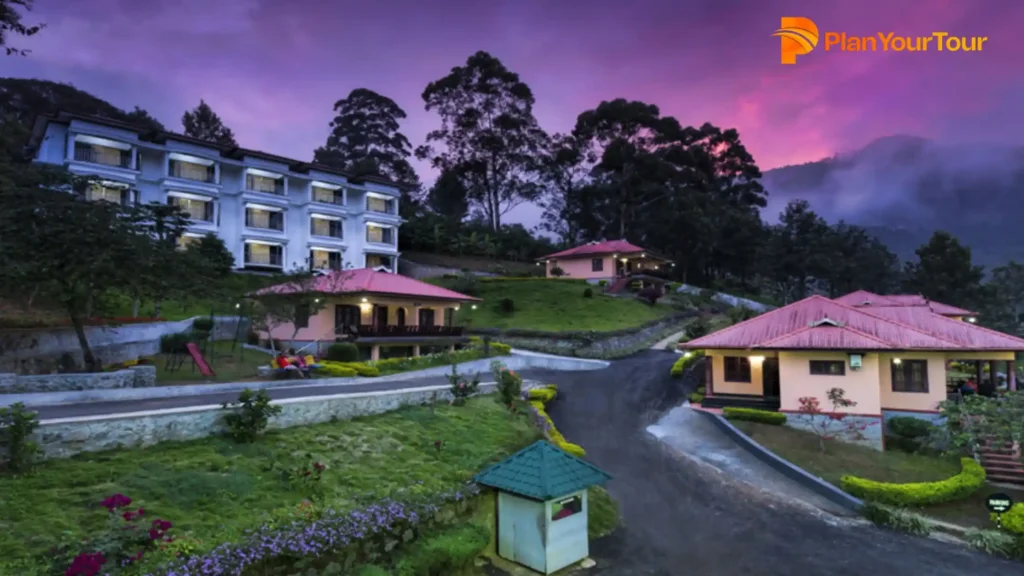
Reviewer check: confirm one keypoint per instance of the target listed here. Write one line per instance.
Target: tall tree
(203, 123)
(565, 171)
(10, 24)
(142, 118)
(488, 136)
(794, 255)
(365, 138)
(857, 261)
(449, 199)
(1003, 308)
(945, 273)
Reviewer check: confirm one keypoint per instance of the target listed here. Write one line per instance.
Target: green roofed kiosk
(542, 506)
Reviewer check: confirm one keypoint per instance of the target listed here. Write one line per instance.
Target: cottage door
(770, 377)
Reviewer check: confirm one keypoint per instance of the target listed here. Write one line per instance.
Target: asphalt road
(681, 519)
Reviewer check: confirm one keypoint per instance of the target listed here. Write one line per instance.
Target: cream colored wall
(582, 267)
(796, 381)
(756, 385)
(321, 326)
(950, 356)
(920, 401)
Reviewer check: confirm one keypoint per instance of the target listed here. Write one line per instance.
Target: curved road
(681, 519)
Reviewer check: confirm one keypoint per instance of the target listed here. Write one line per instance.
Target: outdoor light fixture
(757, 359)
(687, 354)
(238, 305)
(365, 300)
(456, 307)
(897, 361)
(643, 255)
(972, 320)
(615, 255)
(655, 266)
(474, 307)
(316, 300)
(625, 259)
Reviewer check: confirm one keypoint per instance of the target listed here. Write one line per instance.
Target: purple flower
(116, 501)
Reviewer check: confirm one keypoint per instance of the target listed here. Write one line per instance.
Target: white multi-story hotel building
(273, 213)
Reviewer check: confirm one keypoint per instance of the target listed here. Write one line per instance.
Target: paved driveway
(682, 518)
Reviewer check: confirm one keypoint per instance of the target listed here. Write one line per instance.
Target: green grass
(228, 366)
(554, 306)
(801, 448)
(216, 489)
(602, 513)
(475, 263)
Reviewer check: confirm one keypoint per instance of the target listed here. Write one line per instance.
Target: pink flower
(116, 501)
(86, 564)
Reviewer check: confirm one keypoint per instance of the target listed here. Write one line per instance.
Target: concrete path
(663, 344)
(682, 517)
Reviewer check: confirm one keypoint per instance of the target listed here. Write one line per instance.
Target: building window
(265, 184)
(566, 507)
(378, 260)
(264, 219)
(426, 317)
(828, 367)
(327, 195)
(115, 194)
(196, 209)
(910, 376)
(105, 155)
(737, 369)
(192, 171)
(263, 255)
(449, 316)
(597, 265)
(374, 204)
(302, 316)
(380, 234)
(324, 260)
(325, 227)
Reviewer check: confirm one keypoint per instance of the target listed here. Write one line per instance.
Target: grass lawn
(475, 263)
(215, 489)
(229, 366)
(554, 306)
(801, 448)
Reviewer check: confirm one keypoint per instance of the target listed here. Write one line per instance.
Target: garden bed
(801, 449)
(214, 490)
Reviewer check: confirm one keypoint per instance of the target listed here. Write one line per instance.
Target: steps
(1002, 463)
(618, 286)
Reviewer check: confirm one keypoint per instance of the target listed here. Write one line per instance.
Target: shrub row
(754, 415)
(685, 361)
(581, 335)
(545, 394)
(334, 370)
(489, 279)
(553, 433)
(967, 482)
(1013, 520)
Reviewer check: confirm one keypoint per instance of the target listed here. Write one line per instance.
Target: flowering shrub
(462, 388)
(829, 425)
(330, 531)
(510, 384)
(251, 415)
(127, 539)
(306, 477)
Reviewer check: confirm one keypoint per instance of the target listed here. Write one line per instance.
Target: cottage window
(737, 369)
(910, 376)
(828, 367)
(597, 265)
(566, 507)
(302, 312)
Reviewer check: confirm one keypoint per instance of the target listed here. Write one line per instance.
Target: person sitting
(285, 367)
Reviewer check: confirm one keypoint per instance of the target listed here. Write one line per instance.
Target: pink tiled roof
(596, 248)
(370, 281)
(820, 323)
(865, 299)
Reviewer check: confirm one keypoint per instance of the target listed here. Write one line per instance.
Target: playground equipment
(200, 343)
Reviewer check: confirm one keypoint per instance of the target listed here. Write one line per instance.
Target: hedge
(581, 335)
(967, 482)
(754, 415)
(685, 361)
(696, 398)
(545, 394)
(359, 368)
(556, 436)
(489, 279)
(1013, 520)
(334, 370)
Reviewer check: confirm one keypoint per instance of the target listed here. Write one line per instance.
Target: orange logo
(798, 35)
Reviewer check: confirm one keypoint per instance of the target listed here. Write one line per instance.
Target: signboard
(998, 503)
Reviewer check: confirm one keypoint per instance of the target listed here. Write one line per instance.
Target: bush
(359, 368)
(467, 283)
(896, 519)
(602, 514)
(910, 427)
(461, 388)
(507, 305)
(497, 348)
(992, 542)
(174, 343)
(588, 293)
(650, 294)
(739, 314)
(510, 384)
(698, 328)
(696, 398)
(684, 362)
(557, 271)
(602, 283)
(334, 370)
(251, 416)
(553, 433)
(18, 450)
(452, 551)
(754, 415)
(1013, 519)
(967, 482)
(543, 395)
(342, 352)
(203, 324)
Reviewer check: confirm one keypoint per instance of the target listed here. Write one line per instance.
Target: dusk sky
(273, 69)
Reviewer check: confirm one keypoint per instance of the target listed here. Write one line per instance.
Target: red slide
(197, 357)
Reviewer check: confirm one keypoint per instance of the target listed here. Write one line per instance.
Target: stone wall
(134, 377)
(39, 351)
(62, 438)
(862, 430)
(594, 344)
(727, 299)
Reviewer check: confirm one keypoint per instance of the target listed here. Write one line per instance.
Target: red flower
(116, 501)
(86, 564)
(319, 467)
(130, 515)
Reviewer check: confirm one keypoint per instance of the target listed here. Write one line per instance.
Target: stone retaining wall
(868, 431)
(39, 351)
(66, 437)
(596, 344)
(133, 377)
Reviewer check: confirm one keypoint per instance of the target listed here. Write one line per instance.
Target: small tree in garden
(510, 384)
(18, 450)
(826, 425)
(461, 388)
(250, 415)
(292, 301)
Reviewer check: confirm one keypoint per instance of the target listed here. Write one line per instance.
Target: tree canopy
(204, 124)
(11, 24)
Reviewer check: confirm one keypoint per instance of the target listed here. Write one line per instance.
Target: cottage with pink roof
(378, 309)
(888, 353)
(609, 260)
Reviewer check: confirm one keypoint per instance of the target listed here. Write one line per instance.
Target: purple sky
(273, 68)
